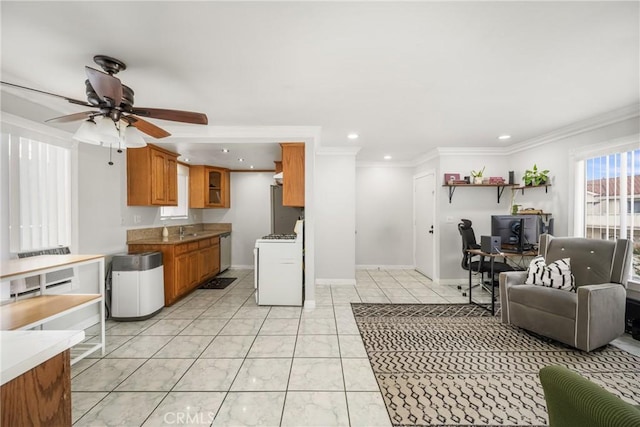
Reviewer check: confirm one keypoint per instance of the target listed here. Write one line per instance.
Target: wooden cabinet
(152, 177)
(186, 265)
(40, 396)
(209, 250)
(293, 174)
(209, 187)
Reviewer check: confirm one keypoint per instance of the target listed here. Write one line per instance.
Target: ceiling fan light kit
(106, 128)
(87, 133)
(131, 137)
(116, 121)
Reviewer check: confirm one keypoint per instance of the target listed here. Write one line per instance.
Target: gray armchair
(586, 319)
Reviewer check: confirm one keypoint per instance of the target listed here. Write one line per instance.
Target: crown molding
(470, 151)
(385, 164)
(582, 126)
(624, 143)
(30, 125)
(429, 155)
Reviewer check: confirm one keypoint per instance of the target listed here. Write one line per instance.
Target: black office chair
(483, 264)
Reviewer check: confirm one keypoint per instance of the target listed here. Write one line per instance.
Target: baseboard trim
(385, 267)
(343, 282)
(242, 267)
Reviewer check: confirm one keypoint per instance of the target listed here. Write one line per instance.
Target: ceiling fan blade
(71, 100)
(146, 127)
(106, 86)
(173, 115)
(72, 117)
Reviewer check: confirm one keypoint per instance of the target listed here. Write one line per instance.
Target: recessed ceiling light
(225, 150)
(186, 159)
(241, 159)
(504, 137)
(353, 135)
(387, 157)
(251, 167)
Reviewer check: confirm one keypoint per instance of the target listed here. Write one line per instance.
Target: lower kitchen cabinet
(186, 264)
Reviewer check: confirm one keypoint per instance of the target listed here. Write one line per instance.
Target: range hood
(278, 178)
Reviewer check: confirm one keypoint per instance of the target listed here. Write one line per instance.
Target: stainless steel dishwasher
(225, 251)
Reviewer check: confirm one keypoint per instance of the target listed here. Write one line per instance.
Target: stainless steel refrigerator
(283, 218)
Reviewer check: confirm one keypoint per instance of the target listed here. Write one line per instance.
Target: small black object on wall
(511, 177)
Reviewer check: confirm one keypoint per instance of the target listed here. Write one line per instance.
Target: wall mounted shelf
(523, 187)
(499, 188)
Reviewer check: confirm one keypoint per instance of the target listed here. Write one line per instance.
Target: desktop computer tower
(490, 244)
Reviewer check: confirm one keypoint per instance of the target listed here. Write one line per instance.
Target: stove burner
(280, 237)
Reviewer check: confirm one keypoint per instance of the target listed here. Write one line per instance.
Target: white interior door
(423, 214)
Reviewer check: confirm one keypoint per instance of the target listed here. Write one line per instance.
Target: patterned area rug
(218, 283)
(440, 364)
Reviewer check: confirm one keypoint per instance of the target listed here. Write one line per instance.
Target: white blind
(612, 199)
(40, 194)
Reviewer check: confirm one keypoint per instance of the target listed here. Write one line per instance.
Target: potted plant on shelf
(477, 175)
(534, 176)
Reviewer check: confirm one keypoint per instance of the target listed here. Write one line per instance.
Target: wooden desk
(493, 256)
(35, 311)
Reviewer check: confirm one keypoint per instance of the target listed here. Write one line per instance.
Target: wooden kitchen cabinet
(206, 268)
(186, 264)
(293, 174)
(209, 187)
(40, 396)
(152, 177)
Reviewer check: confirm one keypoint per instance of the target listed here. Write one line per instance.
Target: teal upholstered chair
(574, 401)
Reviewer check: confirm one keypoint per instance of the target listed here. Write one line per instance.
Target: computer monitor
(519, 232)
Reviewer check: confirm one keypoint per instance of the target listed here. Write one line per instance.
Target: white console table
(35, 311)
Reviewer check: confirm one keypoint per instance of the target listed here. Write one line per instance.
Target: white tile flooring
(216, 358)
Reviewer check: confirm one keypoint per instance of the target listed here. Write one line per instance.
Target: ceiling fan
(113, 100)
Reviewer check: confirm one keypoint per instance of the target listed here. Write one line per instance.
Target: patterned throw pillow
(555, 275)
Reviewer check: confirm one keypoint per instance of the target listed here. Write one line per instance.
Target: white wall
(104, 216)
(474, 203)
(478, 204)
(249, 214)
(336, 218)
(557, 157)
(384, 216)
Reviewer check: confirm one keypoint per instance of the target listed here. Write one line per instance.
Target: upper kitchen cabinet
(152, 177)
(293, 174)
(209, 187)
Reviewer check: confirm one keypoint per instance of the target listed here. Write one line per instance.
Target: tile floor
(216, 358)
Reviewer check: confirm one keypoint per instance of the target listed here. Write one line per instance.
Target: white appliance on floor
(278, 275)
(137, 286)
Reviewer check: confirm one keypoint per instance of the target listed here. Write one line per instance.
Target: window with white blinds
(40, 194)
(182, 210)
(612, 199)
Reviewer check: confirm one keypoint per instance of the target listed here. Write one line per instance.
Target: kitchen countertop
(24, 350)
(175, 239)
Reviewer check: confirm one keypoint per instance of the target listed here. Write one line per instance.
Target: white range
(279, 269)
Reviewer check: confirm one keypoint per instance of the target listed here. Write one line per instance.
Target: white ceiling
(406, 76)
